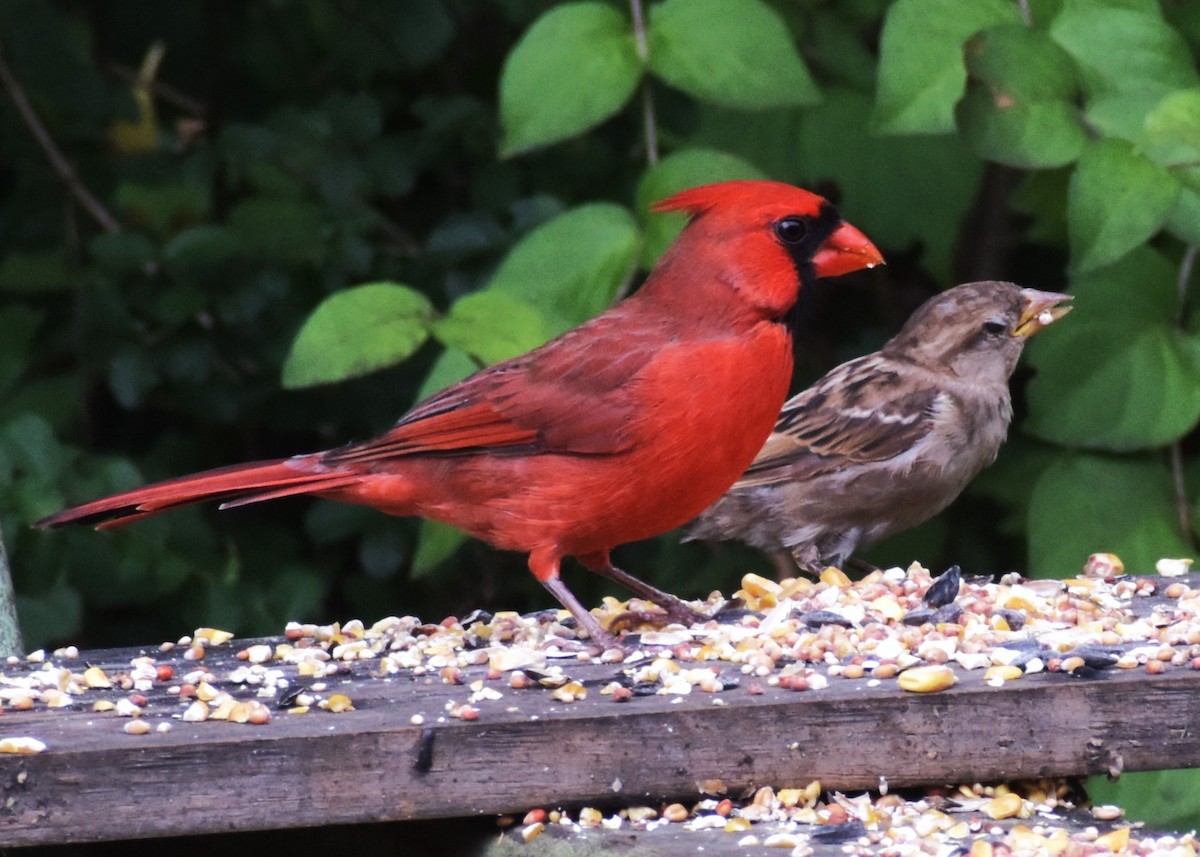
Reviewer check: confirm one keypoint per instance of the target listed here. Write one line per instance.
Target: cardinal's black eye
(994, 327)
(791, 230)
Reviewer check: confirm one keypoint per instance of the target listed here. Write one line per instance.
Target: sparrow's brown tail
(233, 486)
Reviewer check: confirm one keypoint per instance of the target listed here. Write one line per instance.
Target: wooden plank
(96, 782)
(881, 837)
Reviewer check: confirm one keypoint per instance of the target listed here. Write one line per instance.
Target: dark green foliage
(327, 210)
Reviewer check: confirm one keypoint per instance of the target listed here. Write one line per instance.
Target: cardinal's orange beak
(844, 251)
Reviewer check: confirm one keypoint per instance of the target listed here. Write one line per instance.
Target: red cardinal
(623, 428)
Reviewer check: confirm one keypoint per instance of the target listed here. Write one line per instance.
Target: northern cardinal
(620, 429)
(886, 441)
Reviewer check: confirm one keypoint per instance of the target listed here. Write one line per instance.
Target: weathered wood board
(398, 755)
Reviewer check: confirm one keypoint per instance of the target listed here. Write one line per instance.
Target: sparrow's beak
(844, 251)
(1041, 309)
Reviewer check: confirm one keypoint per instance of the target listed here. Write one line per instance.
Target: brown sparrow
(886, 441)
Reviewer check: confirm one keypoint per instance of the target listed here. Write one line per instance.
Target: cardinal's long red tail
(233, 486)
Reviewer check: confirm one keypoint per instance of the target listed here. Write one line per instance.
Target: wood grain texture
(96, 782)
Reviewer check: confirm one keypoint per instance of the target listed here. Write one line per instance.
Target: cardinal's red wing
(572, 395)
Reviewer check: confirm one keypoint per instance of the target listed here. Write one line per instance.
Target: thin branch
(61, 165)
(1026, 15)
(649, 117)
(1182, 506)
(162, 91)
(1185, 275)
(650, 123)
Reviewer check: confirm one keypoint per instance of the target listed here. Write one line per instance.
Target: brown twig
(58, 161)
(1182, 506)
(649, 117)
(162, 91)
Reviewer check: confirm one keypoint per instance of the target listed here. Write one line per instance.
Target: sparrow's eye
(791, 230)
(994, 327)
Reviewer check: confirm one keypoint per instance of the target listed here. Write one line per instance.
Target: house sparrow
(886, 441)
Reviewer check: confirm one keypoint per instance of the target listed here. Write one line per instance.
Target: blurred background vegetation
(232, 231)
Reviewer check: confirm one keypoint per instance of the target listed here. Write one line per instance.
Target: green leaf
(1163, 800)
(1019, 108)
(276, 229)
(1084, 504)
(882, 186)
(357, 331)
(204, 246)
(732, 52)
(573, 68)
(51, 615)
(35, 272)
(1042, 198)
(571, 266)
(492, 325)
(1118, 199)
(382, 551)
(1119, 114)
(1184, 219)
(1117, 373)
(122, 252)
(921, 70)
(1023, 64)
(29, 445)
(1172, 129)
(683, 169)
(162, 209)
(1124, 46)
(450, 367)
(435, 542)
(1024, 135)
(19, 323)
(131, 375)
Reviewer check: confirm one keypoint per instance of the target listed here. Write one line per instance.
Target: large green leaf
(1124, 46)
(19, 323)
(573, 68)
(673, 173)
(571, 266)
(51, 615)
(122, 252)
(1118, 199)
(492, 325)
(1172, 129)
(436, 542)
(36, 271)
(279, 229)
(357, 331)
(1163, 800)
(202, 247)
(1019, 108)
(883, 185)
(921, 70)
(737, 53)
(1117, 373)
(1184, 219)
(1083, 504)
(450, 367)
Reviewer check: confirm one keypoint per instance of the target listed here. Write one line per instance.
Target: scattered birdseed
(929, 679)
(1173, 567)
(338, 703)
(21, 745)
